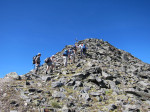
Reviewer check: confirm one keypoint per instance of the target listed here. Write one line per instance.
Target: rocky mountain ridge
(107, 80)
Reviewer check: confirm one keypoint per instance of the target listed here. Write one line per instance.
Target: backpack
(47, 60)
(65, 53)
(74, 47)
(34, 58)
(71, 51)
(83, 47)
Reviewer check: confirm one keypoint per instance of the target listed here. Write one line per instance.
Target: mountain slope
(107, 79)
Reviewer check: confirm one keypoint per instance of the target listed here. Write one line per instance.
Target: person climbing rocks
(75, 48)
(53, 62)
(49, 61)
(37, 62)
(83, 49)
(65, 57)
(72, 55)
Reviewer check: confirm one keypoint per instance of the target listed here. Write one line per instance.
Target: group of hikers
(68, 54)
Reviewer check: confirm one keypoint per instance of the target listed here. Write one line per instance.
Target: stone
(95, 94)
(85, 96)
(113, 86)
(13, 75)
(70, 104)
(46, 78)
(125, 57)
(63, 80)
(13, 111)
(57, 94)
(32, 90)
(112, 107)
(105, 75)
(78, 65)
(64, 72)
(65, 109)
(71, 83)
(131, 108)
(108, 58)
(27, 83)
(103, 84)
(78, 83)
(91, 78)
(56, 84)
(79, 76)
(143, 84)
(86, 89)
(98, 79)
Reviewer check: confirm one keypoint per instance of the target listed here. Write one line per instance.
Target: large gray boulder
(13, 75)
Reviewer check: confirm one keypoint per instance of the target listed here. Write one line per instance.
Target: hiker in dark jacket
(75, 49)
(37, 62)
(65, 57)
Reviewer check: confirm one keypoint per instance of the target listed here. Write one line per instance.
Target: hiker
(37, 62)
(53, 62)
(75, 48)
(65, 57)
(49, 61)
(83, 49)
(72, 55)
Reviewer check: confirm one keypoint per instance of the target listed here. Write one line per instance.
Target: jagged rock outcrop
(107, 79)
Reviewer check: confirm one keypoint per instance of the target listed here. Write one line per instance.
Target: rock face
(107, 79)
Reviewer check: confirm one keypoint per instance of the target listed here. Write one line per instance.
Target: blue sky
(28, 27)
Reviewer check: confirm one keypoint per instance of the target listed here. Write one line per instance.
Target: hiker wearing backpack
(75, 49)
(49, 61)
(65, 57)
(83, 49)
(37, 62)
(72, 55)
(53, 62)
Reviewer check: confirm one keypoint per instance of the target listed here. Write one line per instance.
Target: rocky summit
(108, 79)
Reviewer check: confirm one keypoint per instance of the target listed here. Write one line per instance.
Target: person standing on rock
(50, 64)
(72, 55)
(75, 48)
(53, 62)
(65, 57)
(83, 50)
(37, 62)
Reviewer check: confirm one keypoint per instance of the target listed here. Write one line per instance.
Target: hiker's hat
(39, 53)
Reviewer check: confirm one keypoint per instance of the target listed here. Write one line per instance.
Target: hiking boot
(51, 71)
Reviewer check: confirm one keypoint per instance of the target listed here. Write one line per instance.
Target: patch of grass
(95, 99)
(92, 90)
(69, 91)
(55, 104)
(68, 75)
(109, 92)
(78, 70)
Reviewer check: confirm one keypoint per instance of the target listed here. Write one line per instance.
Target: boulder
(56, 84)
(85, 96)
(13, 75)
(57, 94)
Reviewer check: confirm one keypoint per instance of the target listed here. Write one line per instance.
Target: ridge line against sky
(28, 27)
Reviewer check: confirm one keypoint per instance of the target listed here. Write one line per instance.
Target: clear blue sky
(28, 27)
